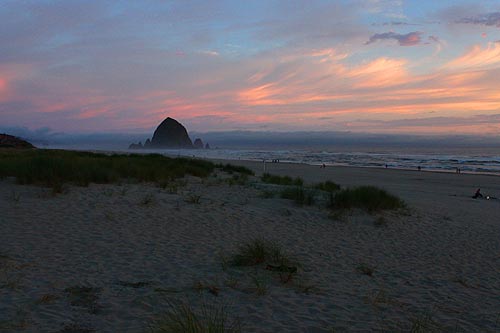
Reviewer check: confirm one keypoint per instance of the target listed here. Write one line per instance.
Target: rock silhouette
(9, 141)
(135, 145)
(198, 144)
(171, 134)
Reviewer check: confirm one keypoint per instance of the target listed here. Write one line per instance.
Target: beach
(115, 257)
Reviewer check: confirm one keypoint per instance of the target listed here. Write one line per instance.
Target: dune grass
(300, 196)
(327, 186)
(53, 168)
(368, 198)
(213, 318)
(230, 168)
(281, 180)
(258, 251)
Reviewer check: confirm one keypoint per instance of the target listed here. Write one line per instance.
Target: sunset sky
(382, 66)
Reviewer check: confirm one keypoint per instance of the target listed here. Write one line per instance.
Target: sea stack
(198, 144)
(170, 134)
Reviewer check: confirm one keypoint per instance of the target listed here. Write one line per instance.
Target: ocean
(468, 160)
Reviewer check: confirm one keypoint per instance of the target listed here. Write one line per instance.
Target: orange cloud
(382, 72)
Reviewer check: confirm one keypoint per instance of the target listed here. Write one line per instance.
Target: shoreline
(228, 160)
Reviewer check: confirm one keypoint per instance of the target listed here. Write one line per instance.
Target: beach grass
(238, 179)
(53, 168)
(230, 168)
(281, 180)
(211, 318)
(300, 196)
(327, 186)
(368, 198)
(258, 251)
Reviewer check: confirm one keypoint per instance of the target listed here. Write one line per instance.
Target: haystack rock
(9, 141)
(198, 144)
(171, 134)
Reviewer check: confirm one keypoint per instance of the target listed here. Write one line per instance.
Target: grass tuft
(212, 318)
(239, 179)
(298, 195)
(368, 198)
(365, 269)
(327, 186)
(193, 198)
(83, 296)
(266, 194)
(281, 180)
(229, 168)
(258, 251)
(423, 323)
(148, 200)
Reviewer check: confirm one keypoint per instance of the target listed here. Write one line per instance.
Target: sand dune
(135, 248)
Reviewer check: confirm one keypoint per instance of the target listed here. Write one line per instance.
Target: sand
(139, 248)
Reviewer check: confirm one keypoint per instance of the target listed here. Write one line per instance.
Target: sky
(368, 66)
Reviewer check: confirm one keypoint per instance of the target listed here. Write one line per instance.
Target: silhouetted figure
(477, 194)
(419, 168)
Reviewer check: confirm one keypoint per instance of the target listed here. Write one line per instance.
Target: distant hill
(10, 141)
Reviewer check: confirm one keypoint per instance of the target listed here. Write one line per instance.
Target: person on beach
(477, 194)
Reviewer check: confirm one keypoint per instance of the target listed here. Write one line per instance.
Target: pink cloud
(477, 58)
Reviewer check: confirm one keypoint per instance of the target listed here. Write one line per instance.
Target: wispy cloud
(488, 19)
(477, 57)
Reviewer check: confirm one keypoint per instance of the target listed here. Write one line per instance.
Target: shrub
(369, 198)
(281, 180)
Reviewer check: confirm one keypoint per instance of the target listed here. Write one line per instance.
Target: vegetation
(298, 195)
(369, 198)
(281, 180)
(365, 269)
(238, 179)
(193, 198)
(266, 194)
(258, 251)
(85, 297)
(53, 168)
(210, 319)
(229, 168)
(327, 186)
